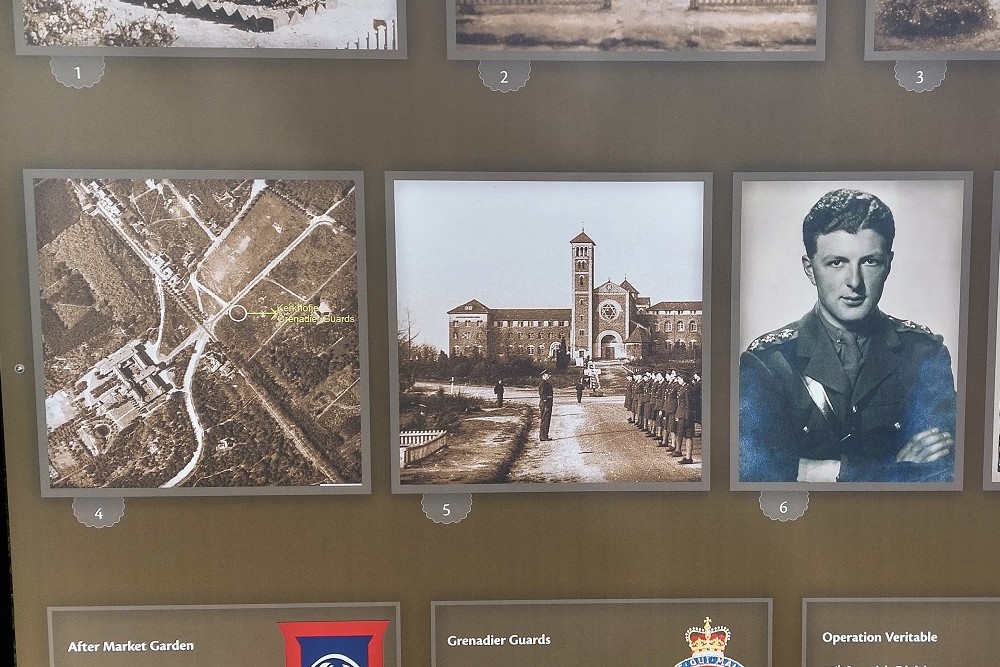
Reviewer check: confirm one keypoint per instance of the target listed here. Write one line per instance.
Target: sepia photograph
(850, 302)
(631, 30)
(198, 333)
(305, 28)
(552, 331)
(923, 29)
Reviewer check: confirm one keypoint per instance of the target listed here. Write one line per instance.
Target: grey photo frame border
(916, 55)
(930, 600)
(705, 178)
(672, 601)
(395, 606)
(990, 445)
(38, 372)
(22, 48)
(456, 52)
(739, 178)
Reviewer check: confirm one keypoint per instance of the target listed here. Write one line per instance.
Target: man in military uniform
(669, 411)
(544, 407)
(847, 393)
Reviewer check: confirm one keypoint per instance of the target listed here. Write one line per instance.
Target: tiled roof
(677, 305)
(477, 308)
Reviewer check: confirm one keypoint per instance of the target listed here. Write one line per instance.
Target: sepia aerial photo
(199, 332)
(232, 24)
(962, 26)
(589, 292)
(630, 26)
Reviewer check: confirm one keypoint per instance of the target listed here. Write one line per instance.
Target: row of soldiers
(666, 405)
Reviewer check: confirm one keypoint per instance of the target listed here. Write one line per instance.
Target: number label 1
(77, 70)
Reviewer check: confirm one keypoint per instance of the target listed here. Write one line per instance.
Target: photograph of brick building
(609, 321)
(532, 313)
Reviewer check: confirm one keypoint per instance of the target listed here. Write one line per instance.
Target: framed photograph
(850, 301)
(358, 29)
(615, 30)
(991, 473)
(932, 30)
(199, 332)
(553, 331)
(565, 633)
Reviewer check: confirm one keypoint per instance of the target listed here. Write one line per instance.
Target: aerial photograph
(231, 24)
(198, 332)
(626, 27)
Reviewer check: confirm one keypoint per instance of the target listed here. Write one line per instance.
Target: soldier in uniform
(669, 439)
(685, 424)
(629, 392)
(544, 407)
(847, 393)
(643, 395)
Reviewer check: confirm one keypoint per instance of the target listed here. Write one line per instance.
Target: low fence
(382, 37)
(417, 445)
(695, 4)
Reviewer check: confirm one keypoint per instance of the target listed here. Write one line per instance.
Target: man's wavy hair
(849, 211)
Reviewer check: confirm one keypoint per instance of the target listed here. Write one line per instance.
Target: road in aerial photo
(199, 332)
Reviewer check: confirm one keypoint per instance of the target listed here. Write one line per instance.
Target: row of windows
(668, 326)
(512, 323)
(530, 350)
(531, 323)
(672, 312)
(678, 344)
(465, 335)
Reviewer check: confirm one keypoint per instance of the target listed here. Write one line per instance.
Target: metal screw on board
(19, 368)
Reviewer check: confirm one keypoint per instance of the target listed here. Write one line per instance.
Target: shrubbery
(437, 411)
(516, 370)
(71, 23)
(934, 18)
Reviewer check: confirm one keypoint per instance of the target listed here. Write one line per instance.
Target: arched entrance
(610, 345)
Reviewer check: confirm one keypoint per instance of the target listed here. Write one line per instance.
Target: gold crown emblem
(708, 639)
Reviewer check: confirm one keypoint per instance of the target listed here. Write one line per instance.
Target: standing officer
(847, 393)
(544, 407)
(669, 439)
(629, 393)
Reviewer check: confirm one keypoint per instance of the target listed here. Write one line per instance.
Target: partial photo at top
(850, 334)
(926, 29)
(552, 331)
(629, 30)
(244, 28)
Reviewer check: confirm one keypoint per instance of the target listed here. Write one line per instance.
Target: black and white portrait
(850, 307)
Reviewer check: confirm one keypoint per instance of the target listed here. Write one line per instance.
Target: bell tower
(582, 326)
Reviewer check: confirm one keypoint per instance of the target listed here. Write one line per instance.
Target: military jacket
(796, 402)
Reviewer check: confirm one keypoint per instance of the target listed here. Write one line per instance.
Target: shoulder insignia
(774, 338)
(910, 325)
